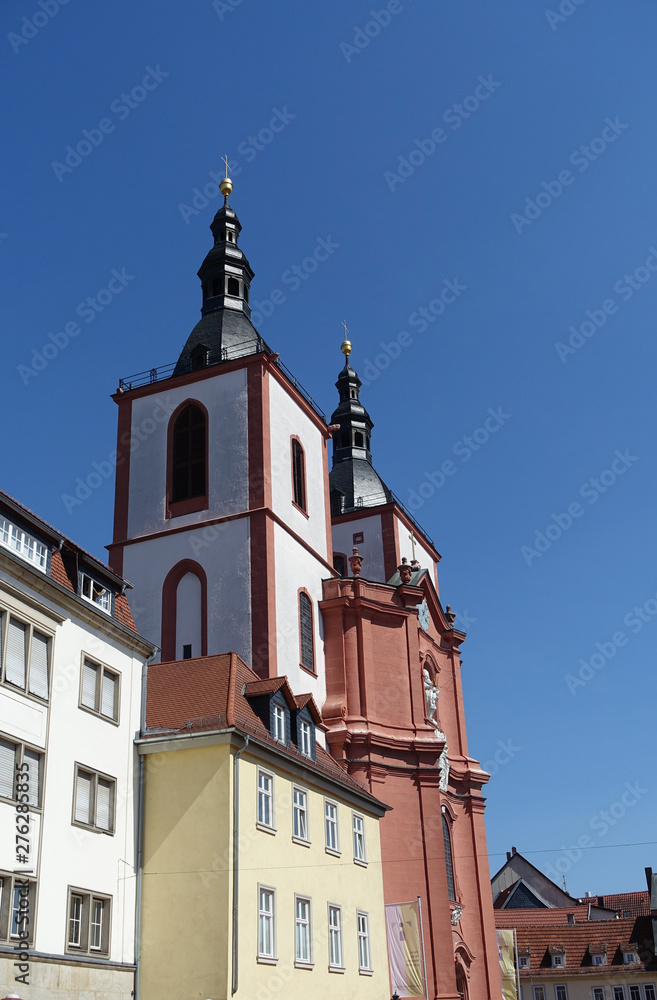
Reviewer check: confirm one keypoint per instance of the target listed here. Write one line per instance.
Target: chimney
(513, 850)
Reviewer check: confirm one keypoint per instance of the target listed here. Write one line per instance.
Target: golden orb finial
(225, 185)
(346, 343)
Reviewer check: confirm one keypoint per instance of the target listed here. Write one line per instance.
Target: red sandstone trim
(263, 595)
(170, 604)
(122, 481)
(327, 504)
(303, 510)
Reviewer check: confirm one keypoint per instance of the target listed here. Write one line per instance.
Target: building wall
(371, 548)
(68, 981)
(581, 987)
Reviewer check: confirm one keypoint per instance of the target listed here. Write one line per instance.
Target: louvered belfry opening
(189, 454)
(299, 475)
(306, 632)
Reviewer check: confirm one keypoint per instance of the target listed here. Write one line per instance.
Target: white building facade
(71, 666)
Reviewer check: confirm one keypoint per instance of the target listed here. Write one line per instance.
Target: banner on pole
(506, 950)
(404, 949)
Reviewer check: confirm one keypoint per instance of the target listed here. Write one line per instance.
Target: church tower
(222, 520)
(395, 716)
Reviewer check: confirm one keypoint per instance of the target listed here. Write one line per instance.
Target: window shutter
(103, 797)
(306, 631)
(83, 798)
(33, 760)
(39, 665)
(108, 702)
(89, 674)
(15, 671)
(7, 768)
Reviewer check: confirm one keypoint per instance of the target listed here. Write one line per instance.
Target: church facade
(238, 538)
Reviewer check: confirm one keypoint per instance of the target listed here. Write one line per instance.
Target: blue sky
(440, 149)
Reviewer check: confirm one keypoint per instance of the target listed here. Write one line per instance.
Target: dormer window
(598, 959)
(23, 544)
(279, 724)
(558, 959)
(95, 592)
(523, 961)
(200, 356)
(630, 958)
(305, 739)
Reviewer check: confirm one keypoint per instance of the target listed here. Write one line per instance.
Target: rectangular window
(23, 544)
(539, 993)
(523, 961)
(649, 990)
(598, 960)
(300, 814)
(24, 656)
(94, 799)
(560, 992)
(266, 923)
(335, 937)
(302, 934)
(88, 922)
(95, 592)
(17, 907)
(364, 950)
(20, 773)
(635, 993)
(265, 799)
(558, 961)
(331, 826)
(305, 745)
(99, 690)
(359, 838)
(598, 993)
(299, 475)
(629, 958)
(279, 723)
(619, 992)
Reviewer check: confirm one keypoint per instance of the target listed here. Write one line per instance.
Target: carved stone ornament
(450, 617)
(430, 696)
(443, 764)
(456, 915)
(405, 571)
(356, 563)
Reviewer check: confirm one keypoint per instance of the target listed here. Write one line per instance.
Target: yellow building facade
(261, 870)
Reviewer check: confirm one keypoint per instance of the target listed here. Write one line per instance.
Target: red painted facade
(378, 726)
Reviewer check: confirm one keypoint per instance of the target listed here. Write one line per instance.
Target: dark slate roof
(357, 480)
(226, 333)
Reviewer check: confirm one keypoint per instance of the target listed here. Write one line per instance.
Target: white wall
(371, 548)
(225, 398)
(223, 550)
(287, 419)
(295, 568)
(422, 554)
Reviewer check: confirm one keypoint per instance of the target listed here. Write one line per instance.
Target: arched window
(447, 840)
(306, 637)
(298, 474)
(184, 612)
(188, 471)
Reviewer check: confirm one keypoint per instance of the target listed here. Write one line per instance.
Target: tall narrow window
(306, 639)
(359, 838)
(266, 925)
(364, 950)
(279, 724)
(331, 826)
(300, 814)
(335, 937)
(265, 799)
(299, 474)
(189, 450)
(75, 921)
(447, 841)
(302, 931)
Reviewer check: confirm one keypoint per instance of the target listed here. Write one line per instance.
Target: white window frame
(23, 544)
(358, 839)
(27, 685)
(85, 923)
(96, 777)
(299, 810)
(305, 741)
(18, 777)
(538, 993)
(330, 804)
(303, 925)
(8, 889)
(101, 671)
(598, 992)
(598, 959)
(335, 934)
(636, 989)
(558, 961)
(652, 995)
(269, 958)
(630, 958)
(267, 795)
(560, 991)
(364, 942)
(280, 726)
(103, 600)
(618, 992)
(524, 961)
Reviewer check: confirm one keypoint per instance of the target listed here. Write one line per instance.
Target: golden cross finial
(224, 159)
(412, 538)
(346, 343)
(226, 185)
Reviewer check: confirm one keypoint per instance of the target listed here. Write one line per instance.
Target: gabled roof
(211, 693)
(520, 895)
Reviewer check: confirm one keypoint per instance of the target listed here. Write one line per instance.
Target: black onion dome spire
(225, 329)
(353, 481)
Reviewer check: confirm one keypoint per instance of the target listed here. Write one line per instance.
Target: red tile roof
(122, 612)
(58, 573)
(544, 932)
(206, 693)
(638, 903)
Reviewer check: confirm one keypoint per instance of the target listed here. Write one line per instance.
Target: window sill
(189, 506)
(361, 864)
(301, 841)
(263, 960)
(26, 694)
(332, 852)
(340, 969)
(15, 802)
(99, 715)
(307, 670)
(366, 972)
(92, 829)
(301, 510)
(266, 829)
(304, 965)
